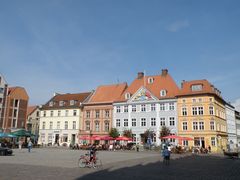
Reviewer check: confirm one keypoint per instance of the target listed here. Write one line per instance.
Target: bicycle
(84, 161)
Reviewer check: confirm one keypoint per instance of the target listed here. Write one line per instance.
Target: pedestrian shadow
(190, 167)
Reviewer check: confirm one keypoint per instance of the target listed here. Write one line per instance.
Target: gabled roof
(160, 82)
(108, 93)
(66, 99)
(206, 88)
(31, 109)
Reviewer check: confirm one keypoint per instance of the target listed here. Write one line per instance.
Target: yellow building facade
(201, 116)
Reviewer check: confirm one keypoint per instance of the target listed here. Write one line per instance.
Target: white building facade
(3, 94)
(141, 113)
(60, 119)
(231, 127)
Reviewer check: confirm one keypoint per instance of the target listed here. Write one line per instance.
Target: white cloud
(178, 25)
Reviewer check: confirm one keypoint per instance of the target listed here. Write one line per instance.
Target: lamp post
(90, 135)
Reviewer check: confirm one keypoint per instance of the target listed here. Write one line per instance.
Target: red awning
(122, 138)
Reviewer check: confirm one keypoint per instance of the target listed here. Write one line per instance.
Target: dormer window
(163, 93)
(150, 80)
(71, 102)
(197, 87)
(51, 103)
(61, 103)
(127, 96)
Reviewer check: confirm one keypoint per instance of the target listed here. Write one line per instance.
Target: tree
(127, 133)
(165, 131)
(147, 134)
(114, 133)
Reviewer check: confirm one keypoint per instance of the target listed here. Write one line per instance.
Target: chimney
(140, 75)
(183, 81)
(164, 72)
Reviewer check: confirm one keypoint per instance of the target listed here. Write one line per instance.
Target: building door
(56, 138)
(73, 138)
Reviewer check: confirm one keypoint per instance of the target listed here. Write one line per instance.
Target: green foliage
(114, 133)
(147, 134)
(127, 133)
(165, 131)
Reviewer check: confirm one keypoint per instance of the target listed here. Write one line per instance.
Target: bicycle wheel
(98, 163)
(82, 162)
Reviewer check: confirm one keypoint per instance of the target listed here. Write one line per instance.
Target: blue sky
(73, 46)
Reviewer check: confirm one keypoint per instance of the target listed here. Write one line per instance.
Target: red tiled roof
(66, 98)
(108, 93)
(206, 88)
(30, 109)
(160, 82)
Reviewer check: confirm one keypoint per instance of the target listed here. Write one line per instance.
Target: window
(50, 138)
(97, 126)
(107, 114)
(118, 109)
(51, 103)
(87, 125)
(59, 113)
(153, 107)
(58, 125)
(51, 125)
(150, 80)
(212, 125)
(125, 123)
(65, 137)
(172, 121)
(162, 107)
(184, 126)
(127, 96)
(16, 103)
(195, 125)
(118, 123)
(61, 103)
(74, 112)
(143, 107)
(163, 93)
(194, 111)
(185, 142)
(184, 111)
(162, 121)
(43, 125)
(74, 125)
(71, 102)
(213, 141)
(14, 123)
(197, 87)
(134, 122)
(51, 113)
(134, 108)
(88, 114)
(194, 100)
(66, 113)
(97, 113)
(66, 125)
(153, 121)
(143, 122)
(211, 110)
(200, 110)
(201, 125)
(200, 100)
(184, 100)
(171, 107)
(44, 113)
(125, 108)
(106, 126)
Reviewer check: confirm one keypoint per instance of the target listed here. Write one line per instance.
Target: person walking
(20, 144)
(29, 145)
(166, 156)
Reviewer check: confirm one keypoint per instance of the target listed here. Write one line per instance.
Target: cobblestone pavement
(61, 164)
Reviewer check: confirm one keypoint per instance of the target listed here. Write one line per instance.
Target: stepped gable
(108, 93)
(154, 84)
